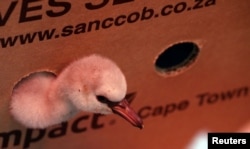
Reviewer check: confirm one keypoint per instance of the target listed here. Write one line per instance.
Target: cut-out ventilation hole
(176, 58)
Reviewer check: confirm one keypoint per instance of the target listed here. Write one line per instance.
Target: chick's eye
(102, 99)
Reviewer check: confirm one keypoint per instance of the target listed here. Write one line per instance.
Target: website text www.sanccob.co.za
(119, 20)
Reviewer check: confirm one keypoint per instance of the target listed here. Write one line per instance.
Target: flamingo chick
(92, 84)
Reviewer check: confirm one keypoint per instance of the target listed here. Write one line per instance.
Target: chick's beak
(124, 110)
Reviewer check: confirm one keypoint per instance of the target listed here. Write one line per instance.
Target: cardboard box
(211, 95)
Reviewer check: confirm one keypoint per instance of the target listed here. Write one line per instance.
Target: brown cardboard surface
(220, 28)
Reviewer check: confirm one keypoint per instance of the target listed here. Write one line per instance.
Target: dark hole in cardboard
(176, 57)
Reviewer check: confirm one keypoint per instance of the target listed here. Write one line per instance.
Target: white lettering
(243, 141)
(215, 140)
